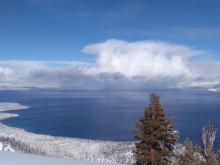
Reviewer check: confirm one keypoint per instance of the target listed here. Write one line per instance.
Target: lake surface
(109, 115)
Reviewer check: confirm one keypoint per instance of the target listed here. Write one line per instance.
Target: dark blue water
(109, 115)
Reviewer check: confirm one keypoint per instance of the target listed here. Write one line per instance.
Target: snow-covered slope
(9, 158)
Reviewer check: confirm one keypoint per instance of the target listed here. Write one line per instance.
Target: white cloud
(5, 73)
(144, 58)
(119, 65)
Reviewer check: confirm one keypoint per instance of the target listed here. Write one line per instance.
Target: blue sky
(59, 29)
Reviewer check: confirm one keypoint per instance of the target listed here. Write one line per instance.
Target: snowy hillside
(9, 158)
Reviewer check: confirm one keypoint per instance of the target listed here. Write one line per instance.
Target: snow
(5, 147)
(8, 158)
(213, 90)
(11, 106)
(74, 148)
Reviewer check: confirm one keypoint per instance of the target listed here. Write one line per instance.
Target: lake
(109, 115)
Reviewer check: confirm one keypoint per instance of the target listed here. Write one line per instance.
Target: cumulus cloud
(5, 73)
(119, 65)
(144, 58)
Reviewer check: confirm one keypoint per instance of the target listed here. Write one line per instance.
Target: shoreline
(63, 147)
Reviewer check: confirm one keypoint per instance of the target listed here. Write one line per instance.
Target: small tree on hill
(155, 136)
(208, 134)
(191, 155)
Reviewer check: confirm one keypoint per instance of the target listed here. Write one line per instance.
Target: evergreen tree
(155, 136)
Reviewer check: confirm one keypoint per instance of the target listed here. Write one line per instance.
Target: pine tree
(155, 136)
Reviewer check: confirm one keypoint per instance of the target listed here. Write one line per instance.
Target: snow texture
(14, 139)
(11, 106)
(8, 158)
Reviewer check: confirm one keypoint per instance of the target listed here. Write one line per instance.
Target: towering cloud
(119, 65)
(144, 58)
